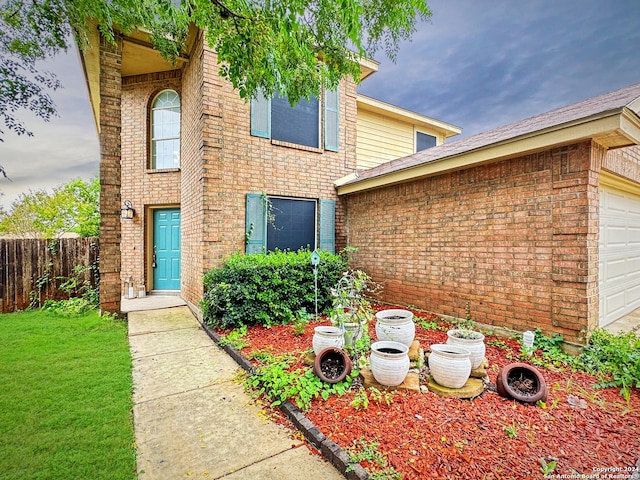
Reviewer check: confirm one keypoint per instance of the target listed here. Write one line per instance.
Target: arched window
(165, 130)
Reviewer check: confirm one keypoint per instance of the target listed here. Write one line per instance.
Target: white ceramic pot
(389, 362)
(325, 336)
(470, 340)
(353, 332)
(395, 325)
(449, 365)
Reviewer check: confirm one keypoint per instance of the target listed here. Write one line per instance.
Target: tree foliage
(294, 46)
(73, 207)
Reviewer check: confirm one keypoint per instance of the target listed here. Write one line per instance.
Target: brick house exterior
(221, 163)
(228, 163)
(505, 223)
(108, 123)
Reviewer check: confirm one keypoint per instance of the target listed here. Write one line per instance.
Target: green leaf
(294, 47)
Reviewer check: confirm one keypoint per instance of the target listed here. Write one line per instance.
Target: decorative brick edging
(330, 450)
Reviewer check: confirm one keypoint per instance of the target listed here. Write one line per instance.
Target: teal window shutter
(328, 225)
(261, 116)
(256, 224)
(331, 120)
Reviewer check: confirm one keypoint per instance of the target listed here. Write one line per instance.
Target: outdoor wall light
(127, 211)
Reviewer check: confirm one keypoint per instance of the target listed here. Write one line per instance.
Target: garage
(619, 248)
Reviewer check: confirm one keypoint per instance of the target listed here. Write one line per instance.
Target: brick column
(110, 150)
(575, 240)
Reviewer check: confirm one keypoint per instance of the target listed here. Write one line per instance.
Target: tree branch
(226, 12)
(17, 10)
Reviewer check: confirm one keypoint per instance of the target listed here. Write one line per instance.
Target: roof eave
(137, 41)
(613, 129)
(367, 67)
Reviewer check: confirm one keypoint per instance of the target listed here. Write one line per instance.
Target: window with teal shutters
(256, 223)
(261, 116)
(328, 226)
(298, 124)
(288, 214)
(278, 120)
(331, 120)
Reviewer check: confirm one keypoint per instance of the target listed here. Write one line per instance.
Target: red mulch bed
(427, 436)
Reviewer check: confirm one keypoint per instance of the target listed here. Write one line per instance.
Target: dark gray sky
(477, 64)
(480, 64)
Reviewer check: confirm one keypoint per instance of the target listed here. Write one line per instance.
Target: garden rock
(471, 389)
(414, 351)
(481, 371)
(411, 382)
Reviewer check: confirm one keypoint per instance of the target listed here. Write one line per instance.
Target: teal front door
(166, 249)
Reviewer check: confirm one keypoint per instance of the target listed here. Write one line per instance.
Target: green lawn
(65, 398)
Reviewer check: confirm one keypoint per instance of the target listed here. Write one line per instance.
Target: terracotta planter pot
(332, 365)
(513, 377)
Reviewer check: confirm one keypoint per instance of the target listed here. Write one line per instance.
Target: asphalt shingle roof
(608, 102)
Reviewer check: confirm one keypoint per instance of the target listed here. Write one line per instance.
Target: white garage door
(619, 276)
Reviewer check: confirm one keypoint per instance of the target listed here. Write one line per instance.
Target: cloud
(480, 65)
(60, 150)
(477, 64)
(52, 157)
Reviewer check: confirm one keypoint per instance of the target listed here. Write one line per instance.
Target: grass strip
(65, 401)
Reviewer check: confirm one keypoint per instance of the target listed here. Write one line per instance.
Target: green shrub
(301, 385)
(72, 307)
(268, 289)
(615, 358)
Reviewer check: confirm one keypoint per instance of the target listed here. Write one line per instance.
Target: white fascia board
(393, 111)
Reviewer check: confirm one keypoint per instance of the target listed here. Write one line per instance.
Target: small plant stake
(315, 261)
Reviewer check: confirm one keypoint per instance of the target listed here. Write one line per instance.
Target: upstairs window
(301, 124)
(424, 141)
(165, 130)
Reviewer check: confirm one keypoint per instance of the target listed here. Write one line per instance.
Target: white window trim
(152, 139)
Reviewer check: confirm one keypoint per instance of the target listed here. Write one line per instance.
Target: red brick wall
(624, 162)
(244, 164)
(192, 181)
(228, 163)
(220, 163)
(575, 224)
(515, 239)
(144, 187)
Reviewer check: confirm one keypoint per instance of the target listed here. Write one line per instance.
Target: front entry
(166, 249)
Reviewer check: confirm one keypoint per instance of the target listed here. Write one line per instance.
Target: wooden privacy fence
(32, 270)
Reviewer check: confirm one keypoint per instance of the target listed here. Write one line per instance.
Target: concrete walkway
(628, 323)
(193, 419)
